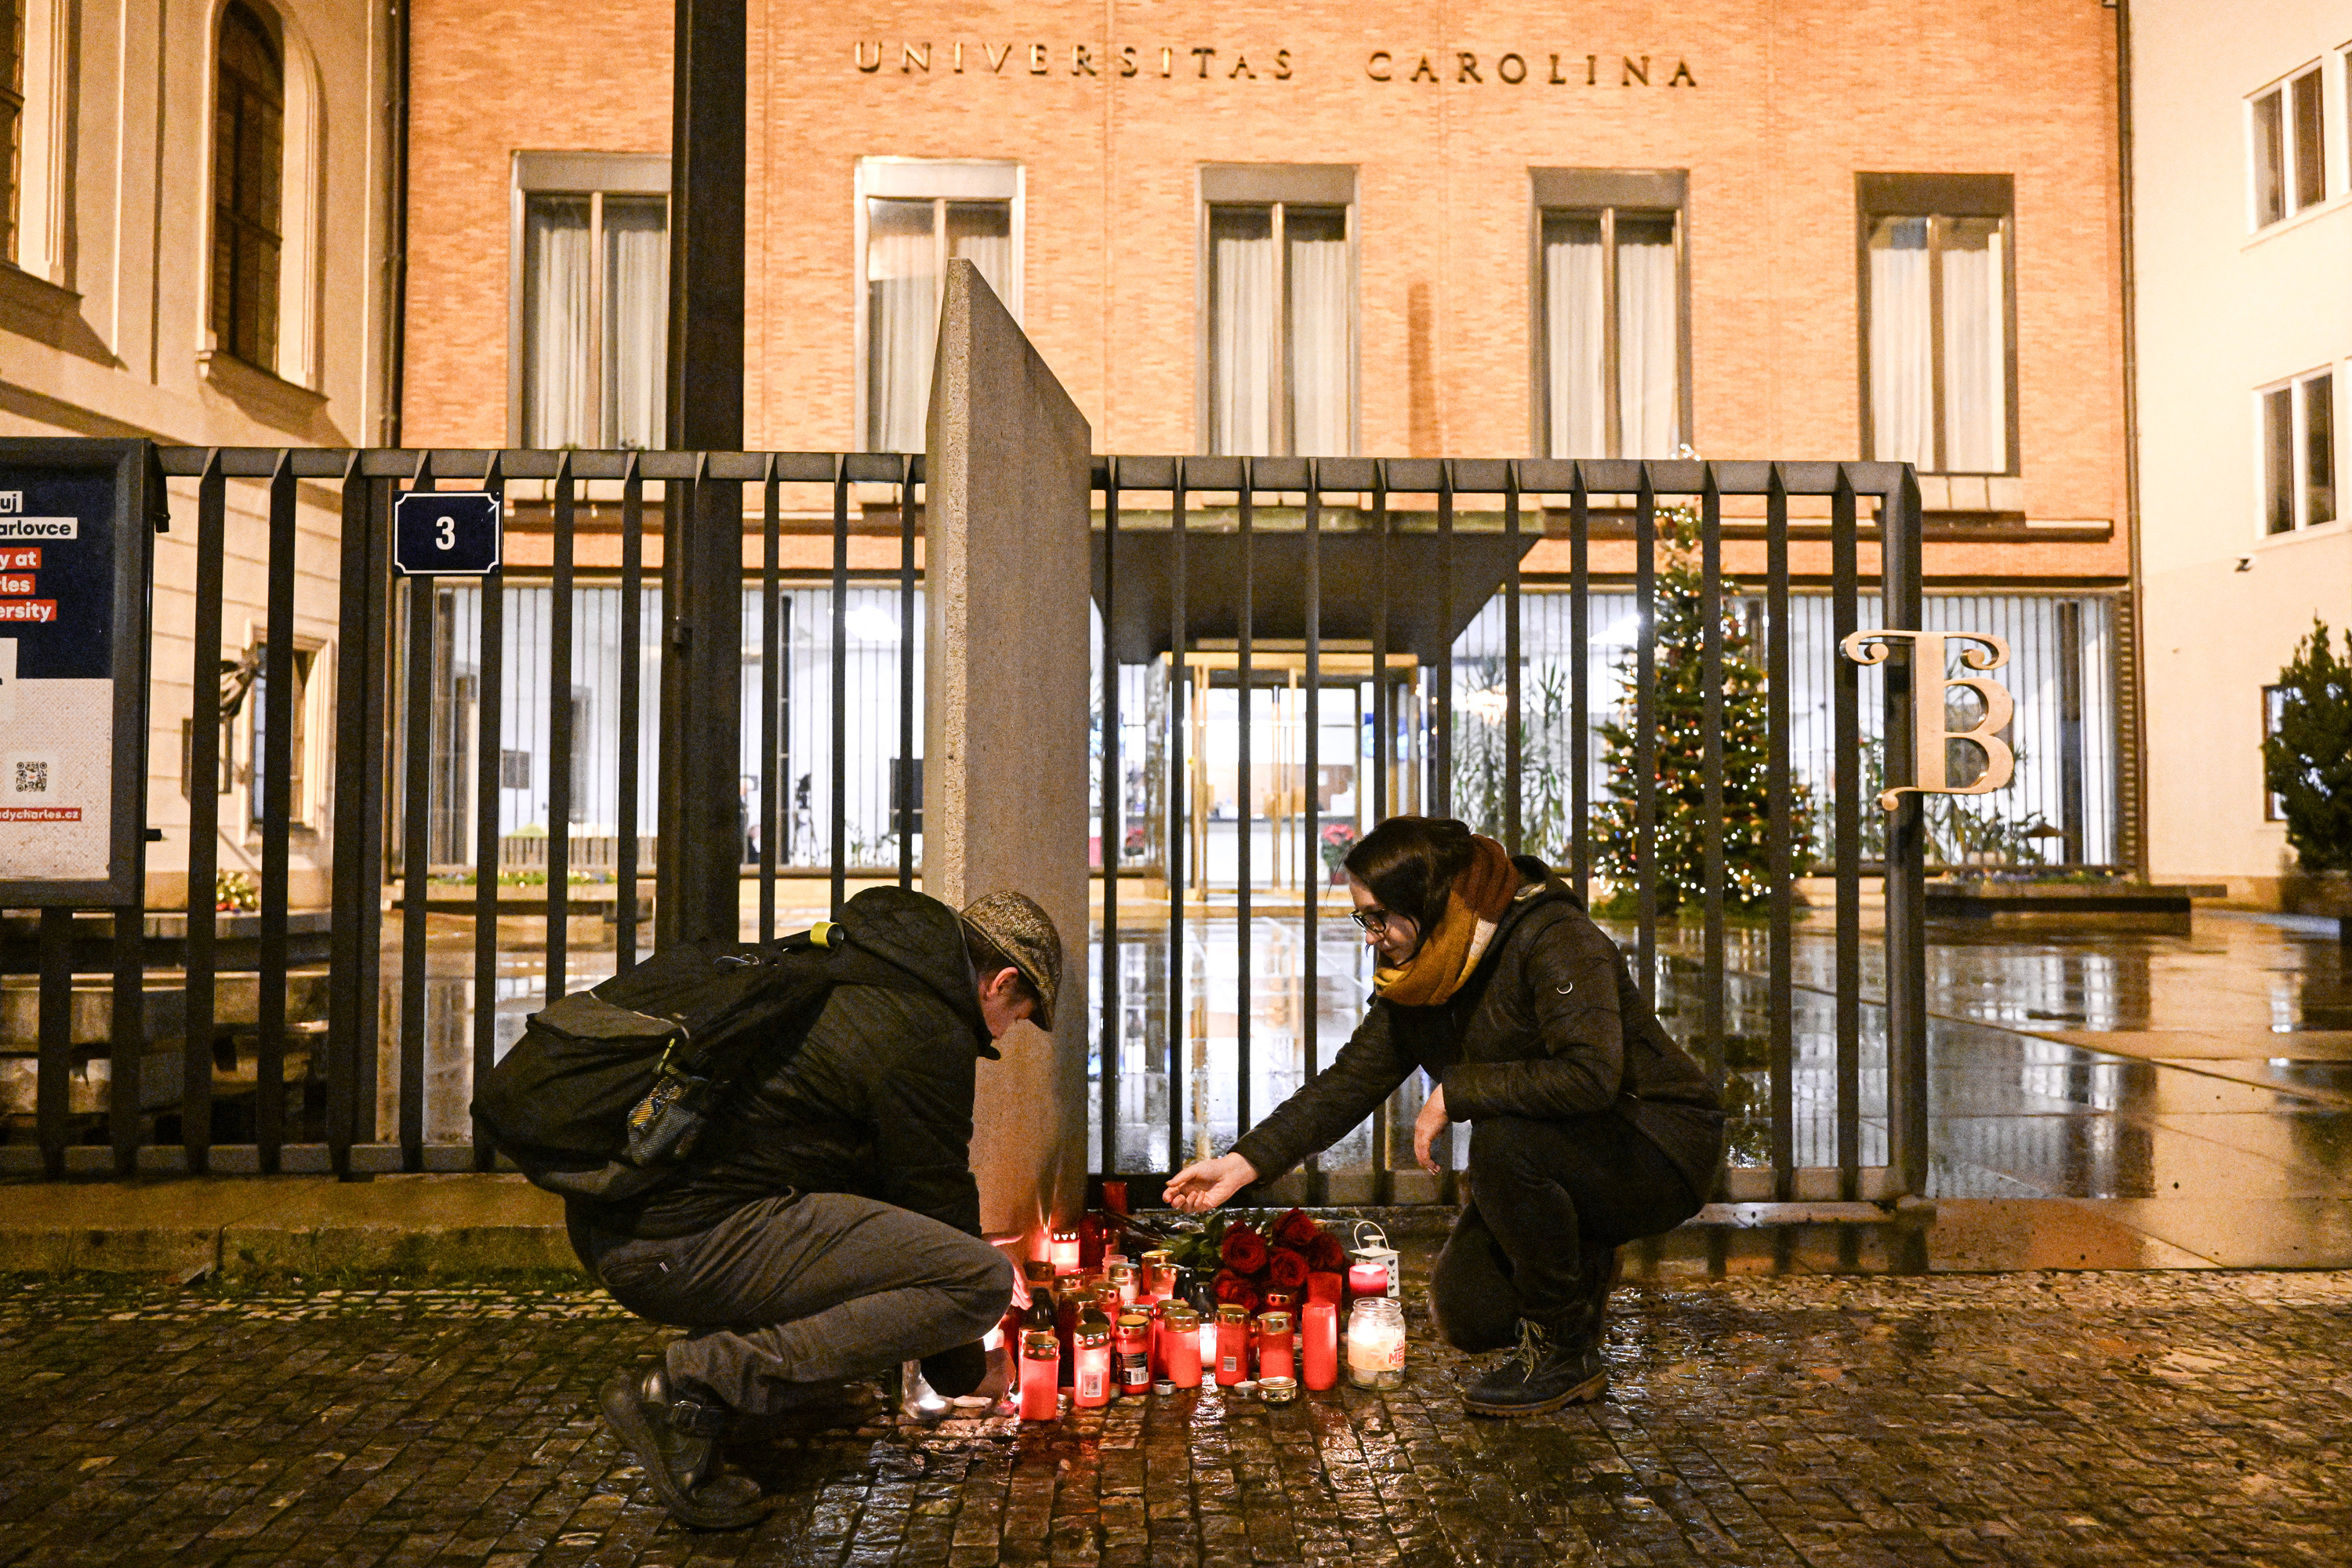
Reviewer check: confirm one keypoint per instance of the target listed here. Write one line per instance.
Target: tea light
(1277, 1390)
(1063, 1251)
(1040, 1376)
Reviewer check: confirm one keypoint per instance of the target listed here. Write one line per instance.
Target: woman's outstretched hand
(1204, 1184)
(1426, 1127)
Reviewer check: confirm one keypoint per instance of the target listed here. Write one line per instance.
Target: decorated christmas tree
(1678, 699)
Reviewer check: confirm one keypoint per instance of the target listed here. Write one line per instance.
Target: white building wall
(2223, 309)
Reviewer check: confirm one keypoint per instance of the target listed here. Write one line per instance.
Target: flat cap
(1021, 931)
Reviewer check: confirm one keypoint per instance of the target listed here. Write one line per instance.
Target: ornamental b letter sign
(1928, 687)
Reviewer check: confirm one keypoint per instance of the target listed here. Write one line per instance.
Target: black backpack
(609, 1088)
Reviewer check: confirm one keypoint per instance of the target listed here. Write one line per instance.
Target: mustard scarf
(1475, 904)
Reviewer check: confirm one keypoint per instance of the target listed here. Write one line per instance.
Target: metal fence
(334, 1025)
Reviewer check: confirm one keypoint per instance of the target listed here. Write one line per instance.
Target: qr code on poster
(33, 777)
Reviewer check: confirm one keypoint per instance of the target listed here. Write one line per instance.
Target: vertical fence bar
(910, 785)
(561, 739)
(1712, 870)
(1846, 728)
(1779, 816)
(1513, 827)
(276, 800)
(1314, 879)
(1177, 1028)
(1384, 712)
(415, 853)
(633, 669)
(1646, 733)
(772, 692)
(1245, 812)
(1579, 683)
(53, 1068)
(127, 1033)
(1906, 848)
(203, 818)
(1441, 714)
(840, 727)
(1112, 825)
(355, 960)
(489, 658)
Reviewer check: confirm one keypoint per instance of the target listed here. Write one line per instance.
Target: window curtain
(557, 402)
(902, 321)
(1902, 364)
(1321, 385)
(1241, 331)
(1649, 345)
(1976, 347)
(1576, 404)
(2278, 461)
(2318, 450)
(636, 321)
(981, 234)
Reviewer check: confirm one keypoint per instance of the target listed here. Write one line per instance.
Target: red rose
(1295, 1230)
(1326, 1254)
(1287, 1270)
(1232, 1290)
(1245, 1250)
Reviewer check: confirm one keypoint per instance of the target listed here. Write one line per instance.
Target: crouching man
(827, 1225)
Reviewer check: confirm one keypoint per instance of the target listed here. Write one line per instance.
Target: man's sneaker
(672, 1432)
(1542, 1375)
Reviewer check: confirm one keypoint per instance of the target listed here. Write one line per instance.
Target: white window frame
(938, 181)
(1278, 186)
(2298, 388)
(594, 175)
(2291, 204)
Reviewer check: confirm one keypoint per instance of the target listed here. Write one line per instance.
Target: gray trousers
(807, 1288)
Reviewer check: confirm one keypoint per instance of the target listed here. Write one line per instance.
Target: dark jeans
(1549, 1204)
(804, 1288)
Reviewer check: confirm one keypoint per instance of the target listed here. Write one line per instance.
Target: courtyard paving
(2168, 1416)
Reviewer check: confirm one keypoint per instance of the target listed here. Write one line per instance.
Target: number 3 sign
(446, 534)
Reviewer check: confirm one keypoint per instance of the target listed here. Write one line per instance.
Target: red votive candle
(1134, 1343)
(1319, 1321)
(1233, 1345)
(1182, 1331)
(1325, 1286)
(1063, 1250)
(1368, 1279)
(1093, 1388)
(1040, 1376)
(1273, 1346)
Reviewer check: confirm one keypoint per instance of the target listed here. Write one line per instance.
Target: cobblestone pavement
(2030, 1420)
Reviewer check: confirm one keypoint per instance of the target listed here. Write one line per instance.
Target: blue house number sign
(446, 534)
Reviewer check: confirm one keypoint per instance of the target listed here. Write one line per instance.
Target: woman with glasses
(1590, 1127)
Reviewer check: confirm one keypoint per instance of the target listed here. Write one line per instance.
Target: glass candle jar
(1121, 1277)
(1040, 1376)
(1330, 1286)
(1318, 1360)
(1274, 1350)
(1376, 1344)
(1233, 1346)
(1287, 1302)
(1062, 1252)
(1093, 1388)
(1181, 1328)
(1134, 1343)
(1155, 1275)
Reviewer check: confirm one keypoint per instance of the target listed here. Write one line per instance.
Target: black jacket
(1549, 1025)
(876, 1101)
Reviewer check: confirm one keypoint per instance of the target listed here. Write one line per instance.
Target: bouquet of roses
(1246, 1260)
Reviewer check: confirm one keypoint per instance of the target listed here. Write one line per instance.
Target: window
(248, 157)
(915, 217)
(1611, 348)
(2299, 453)
(298, 796)
(11, 121)
(1938, 370)
(592, 300)
(1280, 365)
(2289, 149)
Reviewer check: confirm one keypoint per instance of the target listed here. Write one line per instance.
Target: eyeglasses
(1373, 921)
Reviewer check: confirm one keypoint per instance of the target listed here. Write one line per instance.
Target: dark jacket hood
(918, 934)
